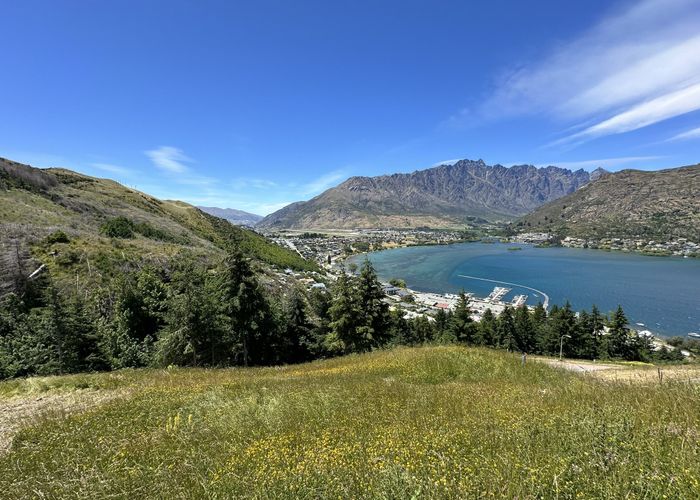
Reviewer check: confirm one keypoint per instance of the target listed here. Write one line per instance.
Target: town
(680, 247)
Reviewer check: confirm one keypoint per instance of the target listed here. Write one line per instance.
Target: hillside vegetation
(443, 196)
(658, 205)
(448, 422)
(35, 203)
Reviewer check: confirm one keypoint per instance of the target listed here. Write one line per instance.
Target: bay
(663, 293)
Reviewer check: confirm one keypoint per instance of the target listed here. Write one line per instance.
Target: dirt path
(23, 411)
(581, 367)
(623, 373)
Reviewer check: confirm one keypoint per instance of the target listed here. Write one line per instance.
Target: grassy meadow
(429, 422)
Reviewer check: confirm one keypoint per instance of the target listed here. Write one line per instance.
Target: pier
(545, 303)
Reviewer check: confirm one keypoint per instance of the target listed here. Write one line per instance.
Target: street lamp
(561, 345)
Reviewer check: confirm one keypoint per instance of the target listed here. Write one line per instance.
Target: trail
(545, 304)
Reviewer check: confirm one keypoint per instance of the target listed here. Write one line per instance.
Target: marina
(427, 304)
(662, 293)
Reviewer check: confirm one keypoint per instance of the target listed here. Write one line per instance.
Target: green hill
(65, 218)
(440, 422)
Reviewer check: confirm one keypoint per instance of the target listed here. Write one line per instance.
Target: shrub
(57, 237)
(119, 227)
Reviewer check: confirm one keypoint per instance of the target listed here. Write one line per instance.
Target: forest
(190, 314)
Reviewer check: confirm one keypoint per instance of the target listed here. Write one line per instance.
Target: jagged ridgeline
(657, 205)
(443, 196)
(75, 224)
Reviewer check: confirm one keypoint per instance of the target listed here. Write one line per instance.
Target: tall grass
(424, 422)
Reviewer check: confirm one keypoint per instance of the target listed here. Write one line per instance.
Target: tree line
(193, 315)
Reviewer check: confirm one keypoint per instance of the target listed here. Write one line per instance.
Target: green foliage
(397, 282)
(118, 227)
(359, 317)
(462, 327)
(57, 237)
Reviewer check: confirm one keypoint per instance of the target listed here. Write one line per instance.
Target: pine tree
(505, 330)
(486, 330)
(344, 315)
(422, 330)
(619, 337)
(296, 341)
(190, 318)
(540, 327)
(598, 349)
(374, 322)
(246, 313)
(461, 324)
(524, 330)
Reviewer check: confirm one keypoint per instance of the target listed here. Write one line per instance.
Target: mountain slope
(440, 196)
(238, 217)
(36, 203)
(655, 205)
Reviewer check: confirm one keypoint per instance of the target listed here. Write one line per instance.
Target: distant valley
(237, 217)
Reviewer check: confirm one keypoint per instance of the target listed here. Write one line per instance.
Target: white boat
(641, 324)
(695, 335)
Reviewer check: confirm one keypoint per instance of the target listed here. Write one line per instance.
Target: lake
(663, 293)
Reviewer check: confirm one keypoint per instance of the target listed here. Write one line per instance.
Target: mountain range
(443, 196)
(237, 217)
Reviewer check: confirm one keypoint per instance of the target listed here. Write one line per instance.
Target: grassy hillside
(409, 423)
(35, 203)
(659, 205)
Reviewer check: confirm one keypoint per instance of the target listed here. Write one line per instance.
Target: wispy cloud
(248, 183)
(113, 169)
(636, 67)
(689, 134)
(606, 163)
(446, 162)
(169, 158)
(322, 183)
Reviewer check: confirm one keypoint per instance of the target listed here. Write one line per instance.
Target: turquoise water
(661, 292)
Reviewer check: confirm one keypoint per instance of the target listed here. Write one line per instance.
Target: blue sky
(253, 105)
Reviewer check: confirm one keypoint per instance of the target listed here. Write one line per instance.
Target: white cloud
(636, 67)
(689, 134)
(247, 183)
(322, 183)
(446, 162)
(169, 158)
(644, 114)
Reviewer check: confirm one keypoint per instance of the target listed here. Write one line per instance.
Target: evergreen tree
(524, 330)
(344, 314)
(422, 330)
(505, 330)
(562, 325)
(297, 330)
(539, 327)
(442, 327)
(486, 330)
(597, 322)
(462, 326)
(320, 303)
(373, 327)
(190, 320)
(245, 312)
(619, 337)
(548, 333)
